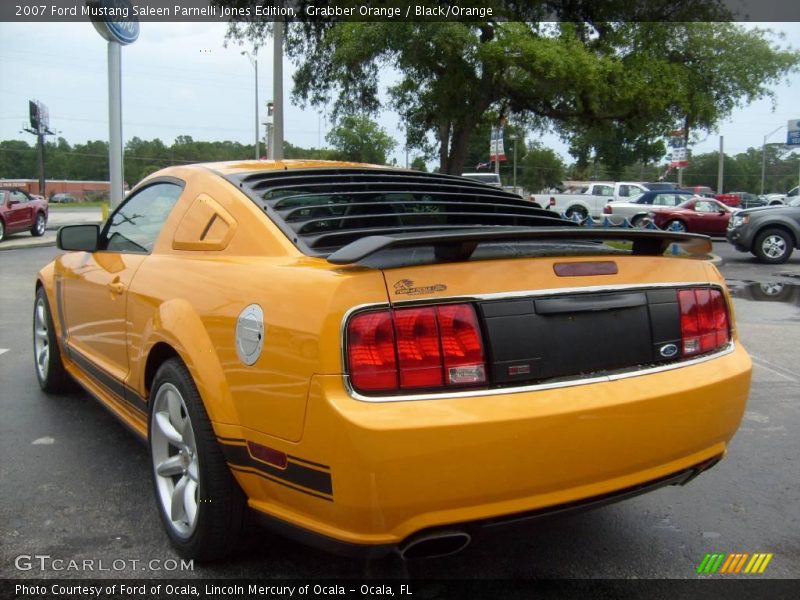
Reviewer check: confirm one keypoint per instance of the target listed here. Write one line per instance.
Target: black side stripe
(295, 473)
(251, 471)
(123, 392)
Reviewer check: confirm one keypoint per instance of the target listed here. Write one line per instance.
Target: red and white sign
(496, 150)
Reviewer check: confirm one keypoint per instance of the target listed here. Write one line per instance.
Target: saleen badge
(406, 286)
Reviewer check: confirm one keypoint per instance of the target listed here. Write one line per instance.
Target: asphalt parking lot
(75, 483)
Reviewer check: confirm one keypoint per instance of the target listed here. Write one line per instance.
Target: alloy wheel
(774, 246)
(175, 460)
(41, 343)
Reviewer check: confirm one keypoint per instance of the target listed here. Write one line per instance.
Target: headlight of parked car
(738, 220)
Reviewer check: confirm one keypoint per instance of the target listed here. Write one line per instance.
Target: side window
(666, 200)
(19, 197)
(605, 190)
(136, 224)
(705, 207)
(623, 191)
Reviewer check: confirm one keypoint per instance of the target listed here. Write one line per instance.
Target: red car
(20, 212)
(698, 215)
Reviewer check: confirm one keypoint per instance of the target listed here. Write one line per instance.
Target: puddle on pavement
(765, 292)
(766, 302)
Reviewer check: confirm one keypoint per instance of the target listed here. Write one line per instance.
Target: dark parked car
(771, 233)
(21, 212)
(698, 215)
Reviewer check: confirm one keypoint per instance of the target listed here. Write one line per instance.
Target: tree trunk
(444, 144)
(459, 148)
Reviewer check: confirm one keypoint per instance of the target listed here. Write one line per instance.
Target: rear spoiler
(461, 243)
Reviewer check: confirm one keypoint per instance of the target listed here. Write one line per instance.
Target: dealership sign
(114, 20)
(793, 133)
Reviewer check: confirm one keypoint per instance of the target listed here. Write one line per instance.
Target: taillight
(607, 210)
(415, 348)
(371, 350)
(705, 325)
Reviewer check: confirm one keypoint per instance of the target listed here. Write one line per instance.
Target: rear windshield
(322, 210)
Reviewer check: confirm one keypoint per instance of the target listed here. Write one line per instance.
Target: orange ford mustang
(374, 359)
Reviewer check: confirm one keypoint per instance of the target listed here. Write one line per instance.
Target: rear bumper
(400, 468)
(476, 528)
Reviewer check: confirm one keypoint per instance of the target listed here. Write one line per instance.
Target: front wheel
(773, 246)
(50, 372)
(39, 225)
(200, 503)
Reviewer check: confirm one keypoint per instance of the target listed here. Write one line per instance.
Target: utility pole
(764, 156)
(254, 61)
(277, 87)
(721, 168)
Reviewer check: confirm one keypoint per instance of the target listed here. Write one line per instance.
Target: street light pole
(254, 62)
(764, 156)
(277, 88)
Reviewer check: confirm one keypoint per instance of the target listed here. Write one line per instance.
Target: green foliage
(419, 164)
(89, 161)
(540, 169)
(612, 89)
(359, 139)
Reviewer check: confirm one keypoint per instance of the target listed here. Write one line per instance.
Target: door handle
(116, 287)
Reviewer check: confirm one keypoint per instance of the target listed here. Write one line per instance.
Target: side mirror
(78, 237)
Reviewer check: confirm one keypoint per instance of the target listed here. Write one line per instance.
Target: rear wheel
(200, 503)
(773, 246)
(50, 372)
(578, 211)
(640, 221)
(2, 230)
(39, 225)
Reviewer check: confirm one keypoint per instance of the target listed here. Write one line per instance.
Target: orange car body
(375, 471)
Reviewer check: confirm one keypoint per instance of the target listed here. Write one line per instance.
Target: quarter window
(136, 224)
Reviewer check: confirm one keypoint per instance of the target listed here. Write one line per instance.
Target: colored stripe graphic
(734, 563)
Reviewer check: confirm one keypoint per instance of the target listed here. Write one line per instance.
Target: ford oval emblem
(668, 350)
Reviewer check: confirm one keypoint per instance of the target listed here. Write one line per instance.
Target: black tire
(220, 506)
(639, 221)
(675, 225)
(773, 246)
(2, 230)
(50, 372)
(39, 225)
(576, 210)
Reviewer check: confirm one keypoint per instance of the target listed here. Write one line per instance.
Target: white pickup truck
(775, 199)
(589, 202)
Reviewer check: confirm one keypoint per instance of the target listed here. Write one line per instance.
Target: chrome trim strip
(555, 291)
(520, 294)
(537, 387)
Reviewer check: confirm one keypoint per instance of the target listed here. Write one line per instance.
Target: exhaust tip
(435, 545)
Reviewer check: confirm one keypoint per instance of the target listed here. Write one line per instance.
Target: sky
(180, 79)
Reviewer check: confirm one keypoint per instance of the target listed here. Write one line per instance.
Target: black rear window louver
(324, 209)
